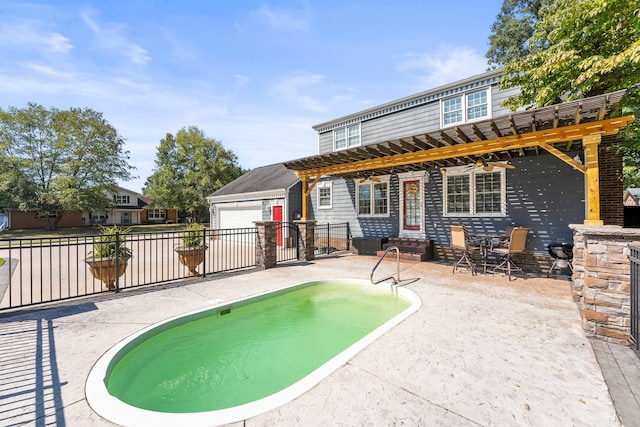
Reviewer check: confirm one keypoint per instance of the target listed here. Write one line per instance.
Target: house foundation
(602, 279)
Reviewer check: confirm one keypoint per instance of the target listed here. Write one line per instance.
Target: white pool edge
(121, 413)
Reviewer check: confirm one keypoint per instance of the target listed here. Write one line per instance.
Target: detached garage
(267, 193)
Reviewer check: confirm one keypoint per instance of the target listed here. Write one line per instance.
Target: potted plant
(110, 256)
(191, 249)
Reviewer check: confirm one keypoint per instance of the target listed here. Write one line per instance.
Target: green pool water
(234, 356)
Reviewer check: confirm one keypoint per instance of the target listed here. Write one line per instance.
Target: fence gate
(287, 241)
(634, 258)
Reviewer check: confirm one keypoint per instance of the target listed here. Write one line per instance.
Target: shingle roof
(264, 178)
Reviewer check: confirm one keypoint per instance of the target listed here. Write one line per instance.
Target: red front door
(277, 216)
(411, 209)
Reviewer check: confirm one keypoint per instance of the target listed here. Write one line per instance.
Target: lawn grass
(82, 231)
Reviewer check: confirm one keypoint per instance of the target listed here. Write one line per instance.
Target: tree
(512, 30)
(187, 169)
(580, 49)
(59, 161)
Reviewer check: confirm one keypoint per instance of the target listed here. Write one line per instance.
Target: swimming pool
(239, 359)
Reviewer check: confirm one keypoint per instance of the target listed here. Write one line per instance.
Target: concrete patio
(482, 351)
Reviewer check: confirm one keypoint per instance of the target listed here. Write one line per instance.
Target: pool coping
(114, 410)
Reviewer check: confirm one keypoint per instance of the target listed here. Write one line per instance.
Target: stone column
(266, 244)
(306, 240)
(601, 279)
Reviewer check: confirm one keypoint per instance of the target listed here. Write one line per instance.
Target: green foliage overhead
(59, 161)
(580, 48)
(512, 30)
(583, 48)
(188, 168)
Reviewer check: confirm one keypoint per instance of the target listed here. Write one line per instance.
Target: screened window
(452, 110)
(121, 199)
(157, 214)
(324, 196)
(468, 107)
(347, 137)
(475, 193)
(373, 199)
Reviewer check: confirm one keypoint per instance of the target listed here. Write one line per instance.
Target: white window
(346, 137)
(121, 199)
(465, 108)
(324, 195)
(156, 214)
(373, 199)
(474, 192)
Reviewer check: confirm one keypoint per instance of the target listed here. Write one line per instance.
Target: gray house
(263, 194)
(454, 155)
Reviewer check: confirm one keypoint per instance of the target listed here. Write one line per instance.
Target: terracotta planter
(191, 258)
(104, 269)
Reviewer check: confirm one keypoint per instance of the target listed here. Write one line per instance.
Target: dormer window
(346, 137)
(466, 107)
(121, 199)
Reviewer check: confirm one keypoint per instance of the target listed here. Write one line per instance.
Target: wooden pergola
(556, 129)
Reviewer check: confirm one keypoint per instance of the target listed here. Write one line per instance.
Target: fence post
(266, 248)
(117, 287)
(306, 240)
(204, 249)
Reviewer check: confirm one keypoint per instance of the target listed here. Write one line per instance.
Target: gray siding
(404, 123)
(343, 205)
(295, 202)
(325, 143)
(543, 193)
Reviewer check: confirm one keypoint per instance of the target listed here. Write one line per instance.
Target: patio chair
(460, 244)
(503, 241)
(517, 245)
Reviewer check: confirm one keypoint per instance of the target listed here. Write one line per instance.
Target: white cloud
(287, 21)
(295, 90)
(241, 80)
(112, 38)
(446, 65)
(29, 34)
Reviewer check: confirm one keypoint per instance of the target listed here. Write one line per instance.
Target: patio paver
(481, 351)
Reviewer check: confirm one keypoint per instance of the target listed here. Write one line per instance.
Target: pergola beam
(511, 142)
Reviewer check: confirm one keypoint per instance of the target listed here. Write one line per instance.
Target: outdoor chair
(517, 245)
(460, 243)
(503, 241)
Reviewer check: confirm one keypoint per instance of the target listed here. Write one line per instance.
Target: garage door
(239, 217)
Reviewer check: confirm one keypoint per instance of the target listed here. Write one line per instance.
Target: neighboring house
(414, 166)
(631, 197)
(131, 208)
(263, 194)
(30, 219)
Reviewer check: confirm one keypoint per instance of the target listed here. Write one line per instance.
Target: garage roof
(263, 178)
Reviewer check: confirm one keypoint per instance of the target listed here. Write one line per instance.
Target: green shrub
(193, 235)
(106, 247)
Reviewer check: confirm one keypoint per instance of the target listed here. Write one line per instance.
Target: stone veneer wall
(601, 279)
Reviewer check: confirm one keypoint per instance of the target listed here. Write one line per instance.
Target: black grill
(562, 254)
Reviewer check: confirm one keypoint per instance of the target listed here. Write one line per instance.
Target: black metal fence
(332, 237)
(44, 270)
(634, 258)
(287, 237)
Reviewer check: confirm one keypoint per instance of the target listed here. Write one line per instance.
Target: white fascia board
(256, 195)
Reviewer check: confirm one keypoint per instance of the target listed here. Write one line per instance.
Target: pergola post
(590, 144)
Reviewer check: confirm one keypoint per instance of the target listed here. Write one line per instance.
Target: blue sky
(255, 75)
